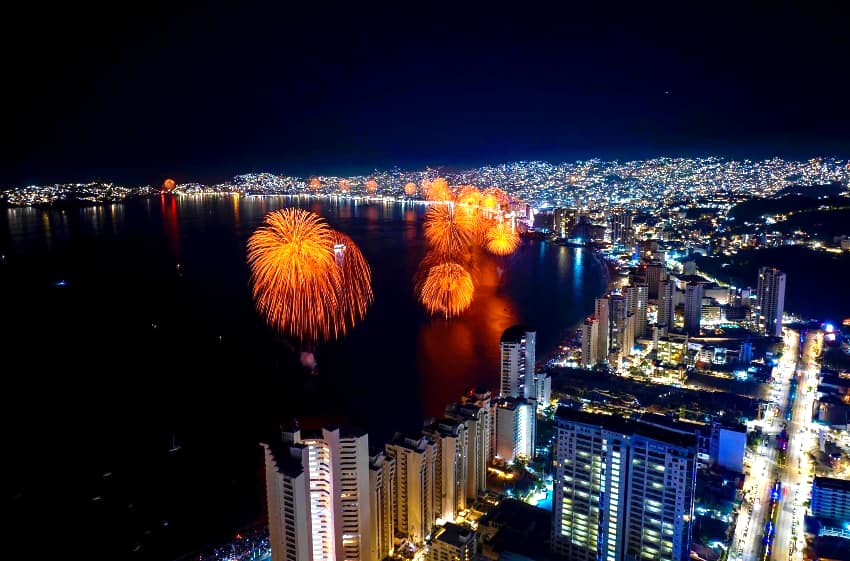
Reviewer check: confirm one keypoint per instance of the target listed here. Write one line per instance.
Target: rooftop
(515, 333)
(832, 484)
(455, 535)
(283, 458)
(626, 426)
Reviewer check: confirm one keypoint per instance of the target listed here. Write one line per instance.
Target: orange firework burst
(449, 232)
(168, 185)
(501, 239)
(469, 195)
(410, 189)
(493, 198)
(438, 190)
(371, 186)
(344, 186)
(315, 183)
(447, 290)
(356, 293)
(298, 284)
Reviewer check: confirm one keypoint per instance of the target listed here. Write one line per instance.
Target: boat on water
(175, 447)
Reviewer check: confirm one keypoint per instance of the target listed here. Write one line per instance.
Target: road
(796, 474)
(762, 469)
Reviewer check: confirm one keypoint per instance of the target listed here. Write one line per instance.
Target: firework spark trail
(356, 292)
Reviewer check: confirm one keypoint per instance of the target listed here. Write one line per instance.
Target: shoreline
(608, 271)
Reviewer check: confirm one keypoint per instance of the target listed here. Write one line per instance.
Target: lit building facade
(288, 499)
(329, 501)
(589, 342)
(770, 301)
(516, 425)
(451, 467)
(517, 361)
(831, 499)
(666, 302)
(415, 467)
(693, 307)
(381, 500)
(474, 411)
(636, 303)
(623, 489)
(603, 306)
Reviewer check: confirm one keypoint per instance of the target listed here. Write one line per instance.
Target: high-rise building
(450, 467)
(564, 219)
(636, 300)
(666, 302)
(624, 489)
(620, 231)
(603, 306)
(542, 389)
(288, 500)
(618, 328)
(452, 543)
(655, 273)
(517, 361)
(693, 307)
(332, 506)
(516, 425)
(415, 467)
(589, 342)
(831, 500)
(475, 412)
(381, 500)
(770, 301)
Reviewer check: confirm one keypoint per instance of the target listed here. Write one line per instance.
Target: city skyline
(415, 282)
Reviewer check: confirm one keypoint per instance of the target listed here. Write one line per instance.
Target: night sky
(136, 93)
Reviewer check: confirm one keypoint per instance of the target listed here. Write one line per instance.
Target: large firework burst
(447, 289)
(438, 190)
(501, 239)
(449, 232)
(300, 284)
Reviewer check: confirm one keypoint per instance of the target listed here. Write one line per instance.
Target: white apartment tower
(666, 303)
(287, 495)
(451, 467)
(381, 500)
(516, 426)
(636, 300)
(624, 489)
(770, 301)
(474, 412)
(335, 500)
(415, 466)
(589, 342)
(517, 361)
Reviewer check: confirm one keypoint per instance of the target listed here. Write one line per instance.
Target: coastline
(609, 273)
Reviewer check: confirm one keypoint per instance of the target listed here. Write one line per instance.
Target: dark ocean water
(112, 354)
